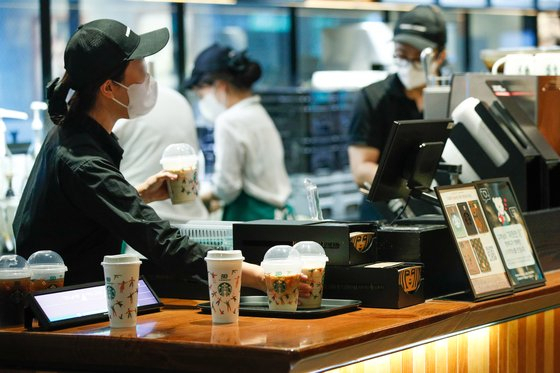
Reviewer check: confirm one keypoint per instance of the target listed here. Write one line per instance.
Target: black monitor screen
(410, 158)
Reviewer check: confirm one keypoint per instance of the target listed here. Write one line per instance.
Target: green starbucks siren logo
(279, 286)
(111, 293)
(224, 289)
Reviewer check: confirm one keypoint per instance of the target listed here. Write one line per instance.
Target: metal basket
(209, 232)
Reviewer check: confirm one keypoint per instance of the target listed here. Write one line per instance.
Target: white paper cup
(224, 283)
(121, 283)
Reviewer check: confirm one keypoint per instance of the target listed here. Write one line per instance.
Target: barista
(398, 97)
(249, 172)
(76, 202)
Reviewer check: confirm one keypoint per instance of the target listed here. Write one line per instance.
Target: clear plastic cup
(313, 262)
(224, 283)
(181, 159)
(47, 270)
(15, 284)
(282, 269)
(122, 273)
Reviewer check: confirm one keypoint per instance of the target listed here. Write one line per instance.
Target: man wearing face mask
(249, 177)
(76, 201)
(398, 97)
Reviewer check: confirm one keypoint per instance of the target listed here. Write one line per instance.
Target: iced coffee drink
(15, 284)
(181, 160)
(313, 261)
(282, 292)
(47, 270)
(281, 266)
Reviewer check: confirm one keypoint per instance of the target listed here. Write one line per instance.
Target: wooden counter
(180, 338)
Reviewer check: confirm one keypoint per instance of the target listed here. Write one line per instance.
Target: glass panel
(263, 31)
(513, 4)
(20, 63)
(320, 32)
(463, 3)
(138, 15)
(548, 4)
(485, 35)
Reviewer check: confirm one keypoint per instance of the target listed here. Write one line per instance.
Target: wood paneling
(528, 344)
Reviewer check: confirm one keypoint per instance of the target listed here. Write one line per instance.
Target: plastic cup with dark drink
(224, 283)
(15, 284)
(282, 270)
(181, 159)
(47, 270)
(121, 283)
(313, 264)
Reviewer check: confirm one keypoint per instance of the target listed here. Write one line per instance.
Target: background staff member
(143, 140)
(249, 171)
(76, 202)
(398, 97)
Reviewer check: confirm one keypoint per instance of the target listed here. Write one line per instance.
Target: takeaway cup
(224, 283)
(313, 261)
(47, 270)
(282, 265)
(15, 284)
(121, 284)
(181, 159)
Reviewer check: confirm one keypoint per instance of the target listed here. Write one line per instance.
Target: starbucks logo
(224, 289)
(111, 293)
(279, 286)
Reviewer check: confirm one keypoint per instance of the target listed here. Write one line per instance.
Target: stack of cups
(313, 260)
(181, 159)
(224, 283)
(15, 284)
(47, 270)
(122, 273)
(282, 267)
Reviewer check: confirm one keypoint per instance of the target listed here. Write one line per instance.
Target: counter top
(181, 338)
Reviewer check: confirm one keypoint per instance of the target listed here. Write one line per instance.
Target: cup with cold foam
(181, 159)
(313, 262)
(282, 269)
(15, 284)
(47, 270)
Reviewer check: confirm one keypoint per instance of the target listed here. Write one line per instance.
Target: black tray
(257, 305)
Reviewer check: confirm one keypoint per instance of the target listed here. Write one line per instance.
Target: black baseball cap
(422, 27)
(98, 48)
(215, 58)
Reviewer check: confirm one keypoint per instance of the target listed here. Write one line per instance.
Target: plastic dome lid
(312, 254)
(282, 258)
(13, 267)
(46, 261)
(179, 155)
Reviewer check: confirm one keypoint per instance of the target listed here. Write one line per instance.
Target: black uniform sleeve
(364, 127)
(103, 194)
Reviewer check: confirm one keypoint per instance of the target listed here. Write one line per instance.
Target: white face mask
(210, 108)
(142, 97)
(410, 74)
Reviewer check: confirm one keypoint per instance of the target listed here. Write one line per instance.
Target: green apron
(246, 208)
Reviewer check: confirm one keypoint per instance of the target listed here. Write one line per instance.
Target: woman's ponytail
(57, 91)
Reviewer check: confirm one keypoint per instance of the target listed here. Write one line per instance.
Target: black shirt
(377, 106)
(76, 202)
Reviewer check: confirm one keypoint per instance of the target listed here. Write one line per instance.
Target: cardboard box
(254, 238)
(382, 285)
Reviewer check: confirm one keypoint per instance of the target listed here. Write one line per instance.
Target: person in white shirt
(144, 139)
(250, 176)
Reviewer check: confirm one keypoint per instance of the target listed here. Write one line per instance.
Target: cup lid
(13, 266)
(310, 249)
(181, 153)
(46, 259)
(224, 255)
(281, 258)
(121, 259)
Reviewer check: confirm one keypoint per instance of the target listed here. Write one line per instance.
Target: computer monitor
(410, 159)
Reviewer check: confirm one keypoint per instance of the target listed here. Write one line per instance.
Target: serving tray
(257, 305)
